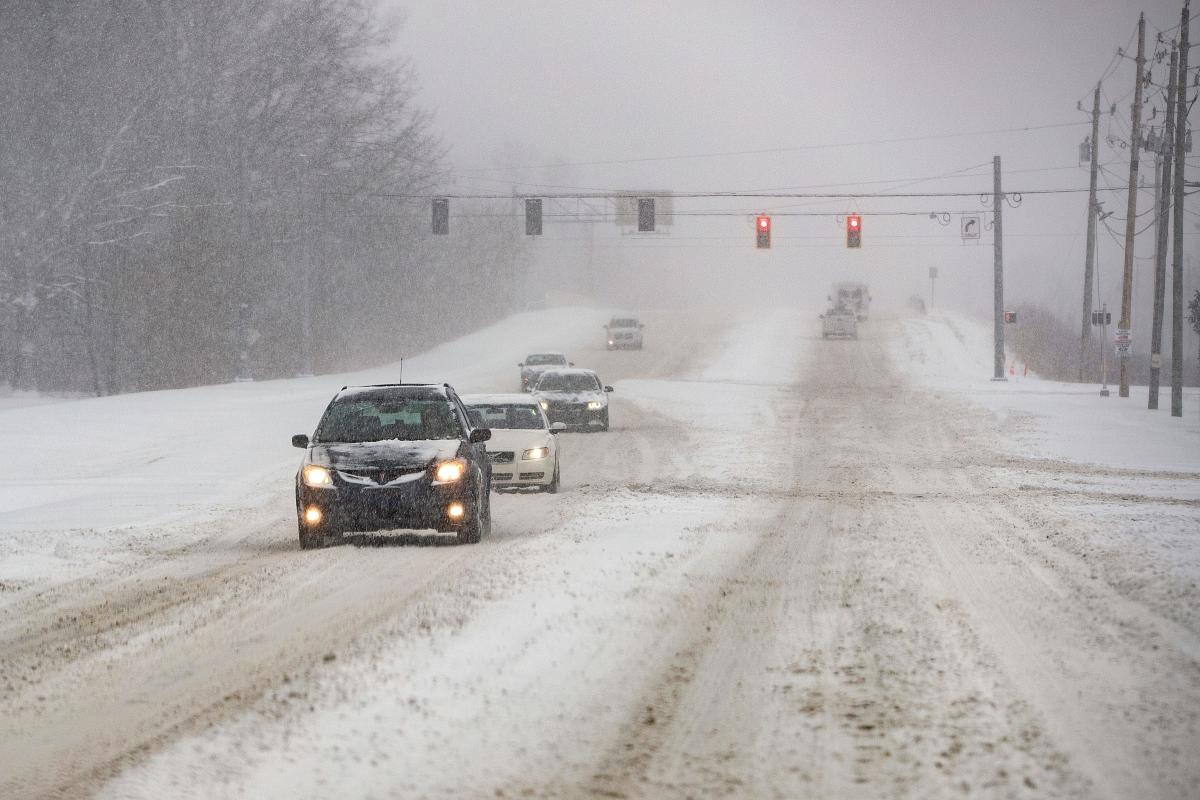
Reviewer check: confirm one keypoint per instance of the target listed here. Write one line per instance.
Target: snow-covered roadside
(102, 479)
(1119, 484)
(952, 354)
(526, 665)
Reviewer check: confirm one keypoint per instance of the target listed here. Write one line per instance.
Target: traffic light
(645, 214)
(533, 217)
(441, 216)
(762, 228)
(854, 231)
(1010, 316)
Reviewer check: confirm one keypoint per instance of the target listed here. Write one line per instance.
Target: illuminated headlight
(312, 515)
(545, 405)
(611, 342)
(535, 453)
(595, 405)
(449, 471)
(317, 476)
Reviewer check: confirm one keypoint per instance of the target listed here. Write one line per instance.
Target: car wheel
(604, 421)
(552, 486)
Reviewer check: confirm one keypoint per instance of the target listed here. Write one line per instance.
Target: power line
(613, 195)
(767, 151)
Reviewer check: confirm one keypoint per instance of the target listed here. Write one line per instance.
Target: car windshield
(523, 416)
(374, 420)
(538, 359)
(572, 382)
(623, 323)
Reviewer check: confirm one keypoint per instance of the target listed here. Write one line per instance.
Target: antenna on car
(401, 370)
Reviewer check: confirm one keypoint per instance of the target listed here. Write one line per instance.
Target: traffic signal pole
(1131, 209)
(1089, 261)
(998, 272)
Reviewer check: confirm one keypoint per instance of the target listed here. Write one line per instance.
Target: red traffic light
(853, 230)
(762, 227)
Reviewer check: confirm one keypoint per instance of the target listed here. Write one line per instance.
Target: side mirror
(570, 363)
(558, 427)
(521, 364)
(608, 388)
(480, 435)
(300, 440)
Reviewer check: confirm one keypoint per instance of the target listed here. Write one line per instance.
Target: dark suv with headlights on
(394, 456)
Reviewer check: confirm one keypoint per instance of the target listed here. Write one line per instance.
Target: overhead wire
(767, 151)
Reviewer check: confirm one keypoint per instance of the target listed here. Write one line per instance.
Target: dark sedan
(394, 456)
(574, 397)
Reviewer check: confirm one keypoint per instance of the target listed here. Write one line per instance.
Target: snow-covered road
(794, 568)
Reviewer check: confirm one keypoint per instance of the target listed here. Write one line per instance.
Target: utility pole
(1162, 221)
(998, 270)
(1089, 261)
(1177, 255)
(1135, 146)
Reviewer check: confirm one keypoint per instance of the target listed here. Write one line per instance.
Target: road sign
(970, 226)
(1122, 342)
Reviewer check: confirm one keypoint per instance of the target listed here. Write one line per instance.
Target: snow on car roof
(508, 399)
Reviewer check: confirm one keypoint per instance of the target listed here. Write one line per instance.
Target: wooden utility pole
(1089, 261)
(998, 272)
(1163, 220)
(1135, 146)
(1177, 255)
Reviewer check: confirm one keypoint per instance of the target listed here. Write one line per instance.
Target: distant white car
(623, 333)
(522, 450)
(537, 363)
(839, 322)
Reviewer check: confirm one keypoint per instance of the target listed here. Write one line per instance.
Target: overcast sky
(520, 83)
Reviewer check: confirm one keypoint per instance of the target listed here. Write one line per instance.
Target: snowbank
(1047, 419)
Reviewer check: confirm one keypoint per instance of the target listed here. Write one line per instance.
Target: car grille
(378, 476)
(501, 456)
(532, 476)
(502, 476)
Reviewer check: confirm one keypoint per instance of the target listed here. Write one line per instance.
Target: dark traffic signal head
(441, 216)
(853, 231)
(762, 229)
(533, 217)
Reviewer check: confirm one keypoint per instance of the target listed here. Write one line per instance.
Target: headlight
(535, 453)
(449, 471)
(317, 476)
(545, 405)
(595, 405)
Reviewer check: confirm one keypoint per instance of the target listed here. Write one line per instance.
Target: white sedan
(523, 450)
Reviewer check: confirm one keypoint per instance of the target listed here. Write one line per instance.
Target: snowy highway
(794, 567)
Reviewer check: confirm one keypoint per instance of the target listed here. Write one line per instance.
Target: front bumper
(576, 414)
(415, 505)
(532, 472)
